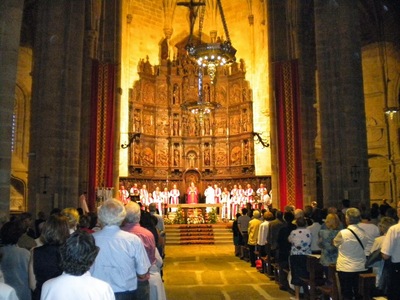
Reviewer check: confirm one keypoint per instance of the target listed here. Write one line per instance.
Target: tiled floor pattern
(212, 272)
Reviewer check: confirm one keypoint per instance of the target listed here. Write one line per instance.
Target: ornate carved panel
(174, 141)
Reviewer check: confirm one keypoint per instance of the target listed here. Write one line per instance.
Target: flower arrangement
(179, 217)
(212, 216)
(199, 219)
(167, 221)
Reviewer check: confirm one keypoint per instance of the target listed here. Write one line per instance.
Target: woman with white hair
(351, 257)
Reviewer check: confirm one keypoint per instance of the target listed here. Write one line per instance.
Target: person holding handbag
(351, 257)
(391, 254)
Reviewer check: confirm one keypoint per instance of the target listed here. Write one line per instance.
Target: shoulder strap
(362, 246)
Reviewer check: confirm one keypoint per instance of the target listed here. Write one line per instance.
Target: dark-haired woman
(14, 263)
(45, 260)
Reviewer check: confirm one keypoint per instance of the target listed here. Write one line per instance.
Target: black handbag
(373, 258)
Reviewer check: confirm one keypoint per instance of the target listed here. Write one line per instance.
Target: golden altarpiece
(178, 146)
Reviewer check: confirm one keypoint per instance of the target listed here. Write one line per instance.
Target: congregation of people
(355, 239)
(116, 253)
(231, 201)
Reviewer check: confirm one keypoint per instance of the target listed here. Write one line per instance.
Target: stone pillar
(305, 37)
(56, 105)
(342, 114)
(10, 23)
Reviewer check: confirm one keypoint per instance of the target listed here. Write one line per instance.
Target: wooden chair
(366, 284)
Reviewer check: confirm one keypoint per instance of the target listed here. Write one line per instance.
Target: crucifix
(193, 7)
(44, 177)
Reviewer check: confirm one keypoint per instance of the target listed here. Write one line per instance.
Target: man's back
(243, 222)
(121, 257)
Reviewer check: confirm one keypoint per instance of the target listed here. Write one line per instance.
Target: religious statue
(191, 159)
(175, 125)
(136, 158)
(246, 153)
(176, 157)
(207, 159)
(136, 120)
(176, 94)
(207, 126)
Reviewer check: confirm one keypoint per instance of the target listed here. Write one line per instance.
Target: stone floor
(212, 272)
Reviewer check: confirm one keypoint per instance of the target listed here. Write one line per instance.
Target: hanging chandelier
(208, 56)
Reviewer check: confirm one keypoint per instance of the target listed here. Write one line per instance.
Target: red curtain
(289, 133)
(102, 131)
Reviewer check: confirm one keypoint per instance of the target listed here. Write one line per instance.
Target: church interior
(100, 94)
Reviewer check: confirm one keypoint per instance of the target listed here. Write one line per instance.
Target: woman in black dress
(45, 260)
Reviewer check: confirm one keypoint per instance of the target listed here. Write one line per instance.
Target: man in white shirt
(234, 201)
(260, 190)
(122, 257)
(77, 255)
(225, 199)
(391, 250)
(210, 198)
(248, 193)
(134, 193)
(174, 197)
(263, 230)
(158, 200)
(266, 199)
(144, 195)
(7, 292)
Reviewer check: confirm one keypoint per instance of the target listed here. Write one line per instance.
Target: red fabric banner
(289, 133)
(102, 129)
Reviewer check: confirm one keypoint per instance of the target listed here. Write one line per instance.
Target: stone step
(178, 234)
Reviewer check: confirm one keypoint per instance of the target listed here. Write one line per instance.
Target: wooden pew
(276, 269)
(331, 291)
(366, 284)
(269, 262)
(316, 275)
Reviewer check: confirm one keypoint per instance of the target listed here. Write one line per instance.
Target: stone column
(10, 23)
(341, 102)
(305, 37)
(56, 105)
